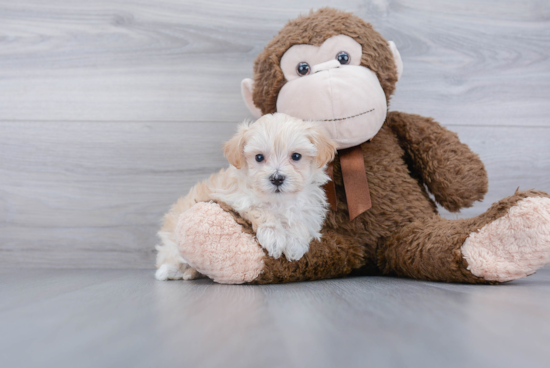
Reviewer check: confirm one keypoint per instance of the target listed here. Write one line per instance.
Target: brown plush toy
(331, 66)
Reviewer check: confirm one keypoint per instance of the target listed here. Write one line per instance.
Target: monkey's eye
(260, 157)
(343, 57)
(302, 69)
(296, 156)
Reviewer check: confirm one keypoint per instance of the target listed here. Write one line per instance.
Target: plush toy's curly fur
(402, 234)
(400, 206)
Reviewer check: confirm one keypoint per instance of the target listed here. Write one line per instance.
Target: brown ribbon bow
(355, 182)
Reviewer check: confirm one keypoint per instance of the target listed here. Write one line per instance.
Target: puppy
(274, 181)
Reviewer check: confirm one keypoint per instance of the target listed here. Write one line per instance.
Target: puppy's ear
(326, 147)
(233, 149)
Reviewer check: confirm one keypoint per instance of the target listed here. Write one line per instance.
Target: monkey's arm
(219, 243)
(451, 171)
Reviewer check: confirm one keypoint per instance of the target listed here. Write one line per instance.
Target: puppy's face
(280, 154)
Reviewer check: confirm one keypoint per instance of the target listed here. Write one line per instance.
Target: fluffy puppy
(274, 181)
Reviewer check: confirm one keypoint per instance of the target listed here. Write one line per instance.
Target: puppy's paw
(192, 274)
(169, 272)
(296, 247)
(272, 239)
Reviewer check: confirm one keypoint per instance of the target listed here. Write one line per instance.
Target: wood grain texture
(134, 60)
(113, 318)
(91, 194)
(94, 193)
(469, 62)
(110, 110)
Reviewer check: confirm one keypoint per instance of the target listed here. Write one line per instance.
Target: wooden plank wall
(109, 110)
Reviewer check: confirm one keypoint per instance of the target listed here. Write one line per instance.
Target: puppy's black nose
(277, 179)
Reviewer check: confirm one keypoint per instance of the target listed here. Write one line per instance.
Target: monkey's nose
(277, 179)
(331, 64)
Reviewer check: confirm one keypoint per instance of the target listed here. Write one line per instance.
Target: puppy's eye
(260, 157)
(296, 156)
(303, 69)
(343, 57)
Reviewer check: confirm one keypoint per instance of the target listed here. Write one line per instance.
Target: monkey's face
(328, 84)
(329, 66)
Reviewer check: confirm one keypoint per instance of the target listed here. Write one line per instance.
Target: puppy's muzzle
(277, 179)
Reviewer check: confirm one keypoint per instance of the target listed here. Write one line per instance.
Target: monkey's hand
(220, 244)
(451, 171)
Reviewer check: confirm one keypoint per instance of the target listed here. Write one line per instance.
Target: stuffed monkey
(332, 67)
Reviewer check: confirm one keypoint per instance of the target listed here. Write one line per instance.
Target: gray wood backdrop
(110, 110)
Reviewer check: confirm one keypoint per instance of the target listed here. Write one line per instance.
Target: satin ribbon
(355, 182)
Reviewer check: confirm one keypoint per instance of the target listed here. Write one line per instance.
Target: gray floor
(124, 318)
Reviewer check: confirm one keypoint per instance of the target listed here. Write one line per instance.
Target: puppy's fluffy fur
(286, 216)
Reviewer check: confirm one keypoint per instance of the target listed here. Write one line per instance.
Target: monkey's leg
(221, 245)
(509, 241)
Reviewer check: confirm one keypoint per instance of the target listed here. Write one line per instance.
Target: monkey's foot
(214, 244)
(513, 246)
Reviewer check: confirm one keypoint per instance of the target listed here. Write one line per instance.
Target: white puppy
(274, 181)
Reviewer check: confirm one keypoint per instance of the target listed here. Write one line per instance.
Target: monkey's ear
(234, 148)
(326, 147)
(247, 86)
(396, 59)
